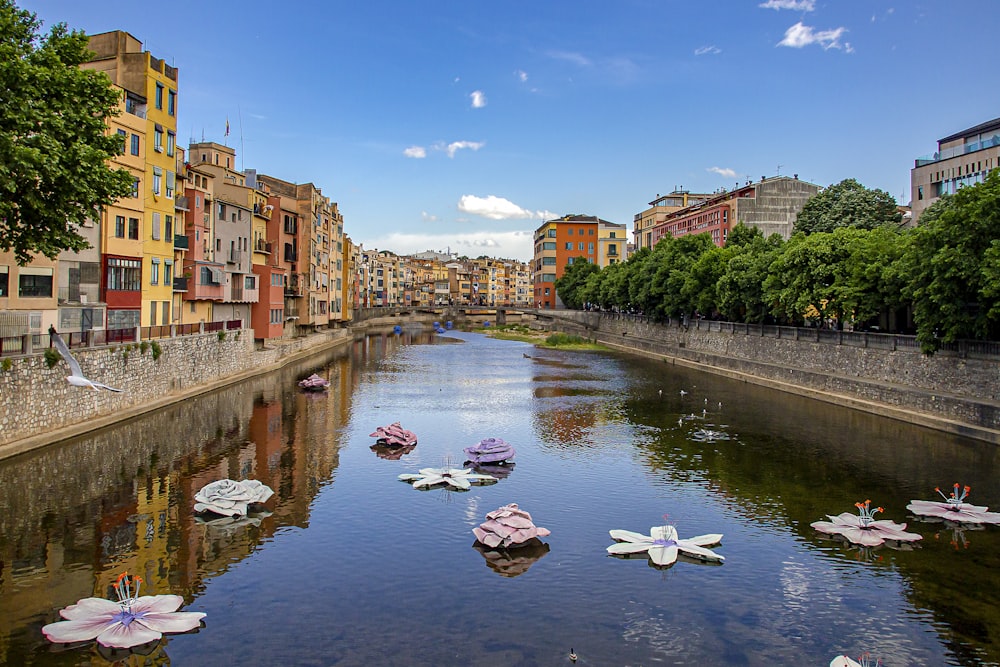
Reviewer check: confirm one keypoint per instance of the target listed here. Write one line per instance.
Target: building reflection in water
(76, 514)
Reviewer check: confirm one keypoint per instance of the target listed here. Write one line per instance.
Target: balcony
(180, 284)
(235, 257)
(293, 287)
(955, 151)
(180, 242)
(260, 245)
(180, 203)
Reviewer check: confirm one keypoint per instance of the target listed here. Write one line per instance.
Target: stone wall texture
(36, 400)
(944, 391)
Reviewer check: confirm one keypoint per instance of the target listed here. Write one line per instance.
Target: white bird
(683, 393)
(661, 393)
(76, 377)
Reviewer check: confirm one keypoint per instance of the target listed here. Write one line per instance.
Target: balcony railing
(235, 257)
(260, 245)
(955, 151)
(180, 284)
(180, 242)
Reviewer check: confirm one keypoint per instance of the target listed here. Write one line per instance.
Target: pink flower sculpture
(862, 528)
(508, 527)
(954, 508)
(131, 621)
(315, 383)
(490, 450)
(394, 435)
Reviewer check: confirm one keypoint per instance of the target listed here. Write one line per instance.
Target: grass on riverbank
(557, 340)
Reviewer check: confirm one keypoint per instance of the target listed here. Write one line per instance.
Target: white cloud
(456, 146)
(800, 35)
(415, 152)
(570, 56)
(723, 171)
(478, 99)
(508, 244)
(521, 75)
(498, 208)
(427, 217)
(797, 5)
(707, 50)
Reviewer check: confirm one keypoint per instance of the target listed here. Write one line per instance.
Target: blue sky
(464, 125)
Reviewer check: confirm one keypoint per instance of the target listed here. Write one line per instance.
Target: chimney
(796, 176)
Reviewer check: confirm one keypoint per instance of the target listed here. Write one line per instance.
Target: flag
(227, 127)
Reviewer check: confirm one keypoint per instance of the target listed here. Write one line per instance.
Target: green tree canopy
(569, 287)
(54, 148)
(847, 204)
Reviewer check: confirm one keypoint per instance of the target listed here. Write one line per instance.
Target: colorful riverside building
(963, 158)
(771, 205)
(202, 280)
(151, 92)
(573, 238)
(659, 209)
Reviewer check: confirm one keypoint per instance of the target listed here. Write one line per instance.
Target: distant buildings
(659, 209)
(963, 158)
(569, 239)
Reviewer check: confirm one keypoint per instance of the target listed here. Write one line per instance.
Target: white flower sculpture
(663, 545)
(862, 528)
(954, 508)
(457, 478)
(131, 621)
(227, 497)
(864, 661)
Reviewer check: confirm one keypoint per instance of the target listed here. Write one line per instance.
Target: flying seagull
(76, 377)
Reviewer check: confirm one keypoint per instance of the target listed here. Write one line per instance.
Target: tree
(569, 287)
(953, 263)
(740, 288)
(847, 204)
(54, 148)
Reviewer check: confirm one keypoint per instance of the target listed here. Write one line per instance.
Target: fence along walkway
(35, 343)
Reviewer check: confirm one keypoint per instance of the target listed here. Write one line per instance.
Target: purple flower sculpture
(131, 621)
(863, 529)
(490, 450)
(954, 508)
(394, 435)
(508, 527)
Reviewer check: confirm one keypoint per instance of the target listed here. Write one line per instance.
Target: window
(548, 261)
(157, 179)
(156, 227)
(549, 245)
(569, 245)
(551, 233)
(165, 320)
(171, 102)
(158, 140)
(580, 246)
(171, 143)
(159, 96)
(135, 188)
(135, 144)
(123, 135)
(591, 232)
(133, 228)
(120, 226)
(171, 182)
(613, 235)
(34, 283)
(152, 312)
(569, 232)
(613, 249)
(590, 248)
(154, 273)
(123, 274)
(168, 273)
(168, 227)
(920, 192)
(4, 275)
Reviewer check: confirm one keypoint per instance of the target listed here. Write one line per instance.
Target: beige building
(659, 209)
(961, 159)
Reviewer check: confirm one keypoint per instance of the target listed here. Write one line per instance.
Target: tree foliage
(54, 148)
(847, 204)
(570, 285)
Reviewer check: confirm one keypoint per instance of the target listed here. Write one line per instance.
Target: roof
(988, 126)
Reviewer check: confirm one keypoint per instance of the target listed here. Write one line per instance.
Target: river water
(349, 566)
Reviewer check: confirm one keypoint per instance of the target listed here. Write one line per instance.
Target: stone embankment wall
(38, 406)
(943, 391)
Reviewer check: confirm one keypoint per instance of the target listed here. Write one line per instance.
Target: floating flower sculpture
(663, 545)
(514, 562)
(509, 527)
(131, 621)
(314, 383)
(862, 528)
(864, 661)
(490, 450)
(394, 435)
(231, 498)
(453, 477)
(954, 508)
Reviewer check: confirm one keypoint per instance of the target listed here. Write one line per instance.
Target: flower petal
(629, 536)
(120, 636)
(458, 482)
(76, 630)
(868, 538)
(705, 540)
(629, 547)
(91, 608)
(429, 480)
(157, 604)
(695, 551)
(663, 555)
(177, 621)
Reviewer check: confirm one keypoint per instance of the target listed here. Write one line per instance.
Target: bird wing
(104, 386)
(64, 351)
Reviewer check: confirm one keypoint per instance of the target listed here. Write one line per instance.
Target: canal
(349, 566)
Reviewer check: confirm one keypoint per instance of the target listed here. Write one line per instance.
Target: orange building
(563, 241)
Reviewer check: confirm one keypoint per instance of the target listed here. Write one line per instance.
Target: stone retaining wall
(943, 391)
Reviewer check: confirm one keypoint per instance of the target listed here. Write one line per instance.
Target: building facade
(572, 238)
(659, 208)
(961, 159)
